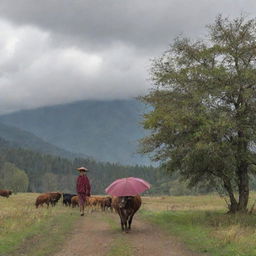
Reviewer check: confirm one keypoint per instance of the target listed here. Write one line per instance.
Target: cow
(106, 203)
(54, 198)
(5, 193)
(74, 201)
(67, 199)
(43, 199)
(92, 200)
(126, 207)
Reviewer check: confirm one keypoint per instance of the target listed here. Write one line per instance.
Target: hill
(51, 173)
(106, 130)
(18, 138)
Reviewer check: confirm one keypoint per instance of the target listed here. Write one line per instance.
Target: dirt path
(148, 239)
(94, 236)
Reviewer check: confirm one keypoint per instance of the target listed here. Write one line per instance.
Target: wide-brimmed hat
(82, 169)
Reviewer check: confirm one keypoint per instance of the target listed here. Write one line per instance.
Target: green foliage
(13, 178)
(203, 122)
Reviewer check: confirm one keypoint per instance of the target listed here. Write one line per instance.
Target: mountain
(18, 138)
(106, 130)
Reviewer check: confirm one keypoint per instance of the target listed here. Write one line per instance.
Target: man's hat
(82, 169)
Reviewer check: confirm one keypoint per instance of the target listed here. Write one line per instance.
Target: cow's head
(125, 201)
(10, 192)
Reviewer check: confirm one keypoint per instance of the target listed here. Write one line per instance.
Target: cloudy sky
(60, 51)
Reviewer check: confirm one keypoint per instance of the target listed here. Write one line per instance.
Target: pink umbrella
(127, 187)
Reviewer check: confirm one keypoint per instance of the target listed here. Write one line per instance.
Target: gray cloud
(54, 52)
(145, 23)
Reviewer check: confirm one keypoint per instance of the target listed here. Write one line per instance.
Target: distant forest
(51, 173)
(24, 170)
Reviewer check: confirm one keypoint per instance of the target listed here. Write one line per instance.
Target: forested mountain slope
(106, 130)
(24, 139)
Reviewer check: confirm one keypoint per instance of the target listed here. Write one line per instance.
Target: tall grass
(202, 223)
(21, 221)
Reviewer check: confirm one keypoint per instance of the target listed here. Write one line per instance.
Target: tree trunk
(243, 187)
(233, 202)
(242, 172)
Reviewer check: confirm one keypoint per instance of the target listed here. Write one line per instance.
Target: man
(83, 188)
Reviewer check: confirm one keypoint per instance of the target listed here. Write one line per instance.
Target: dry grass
(20, 220)
(202, 222)
(211, 202)
(184, 203)
(19, 211)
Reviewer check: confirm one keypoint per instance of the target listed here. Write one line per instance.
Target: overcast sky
(60, 51)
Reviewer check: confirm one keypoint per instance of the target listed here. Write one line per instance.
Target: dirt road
(99, 234)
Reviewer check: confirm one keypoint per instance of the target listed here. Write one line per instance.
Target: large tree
(202, 113)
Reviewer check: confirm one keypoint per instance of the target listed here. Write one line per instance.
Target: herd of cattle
(125, 206)
(72, 200)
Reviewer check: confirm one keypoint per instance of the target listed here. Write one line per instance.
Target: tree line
(38, 172)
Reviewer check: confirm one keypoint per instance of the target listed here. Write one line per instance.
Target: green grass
(199, 221)
(120, 247)
(49, 237)
(25, 230)
(211, 232)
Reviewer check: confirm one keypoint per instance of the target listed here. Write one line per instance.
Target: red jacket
(83, 185)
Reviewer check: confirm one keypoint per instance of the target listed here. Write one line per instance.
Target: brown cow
(54, 197)
(74, 201)
(126, 207)
(106, 203)
(5, 193)
(41, 199)
(91, 201)
(94, 201)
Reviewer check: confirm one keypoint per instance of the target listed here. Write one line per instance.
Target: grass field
(22, 225)
(202, 223)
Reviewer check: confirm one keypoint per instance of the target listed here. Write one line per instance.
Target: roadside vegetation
(25, 230)
(202, 224)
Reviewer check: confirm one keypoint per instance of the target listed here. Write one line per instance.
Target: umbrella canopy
(127, 187)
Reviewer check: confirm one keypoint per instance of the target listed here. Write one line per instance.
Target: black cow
(67, 199)
(126, 207)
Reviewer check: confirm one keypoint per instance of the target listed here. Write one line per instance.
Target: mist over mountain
(105, 130)
(24, 139)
